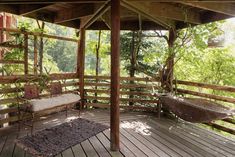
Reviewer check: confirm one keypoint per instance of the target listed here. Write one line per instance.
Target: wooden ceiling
(147, 14)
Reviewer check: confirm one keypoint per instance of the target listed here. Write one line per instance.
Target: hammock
(195, 110)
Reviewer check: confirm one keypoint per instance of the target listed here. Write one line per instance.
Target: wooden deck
(141, 135)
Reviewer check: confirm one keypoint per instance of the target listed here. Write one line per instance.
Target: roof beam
(143, 10)
(74, 13)
(127, 25)
(49, 1)
(171, 11)
(91, 19)
(224, 8)
(8, 9)
(27, 9)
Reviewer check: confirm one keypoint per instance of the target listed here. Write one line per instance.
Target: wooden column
(115, 74)
(81, 63)
(26, 54)
(35, 68)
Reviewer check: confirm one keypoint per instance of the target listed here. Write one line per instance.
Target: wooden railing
(201, 90)
(135, 93)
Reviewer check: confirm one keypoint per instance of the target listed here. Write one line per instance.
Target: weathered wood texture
(141, 135)
(26, 53)
(81, 63)
(115, 75)
(143, 94)
(38, 34)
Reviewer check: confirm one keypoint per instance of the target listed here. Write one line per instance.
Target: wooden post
(35, 56)
(115, 75)
(26, 54)
(81, 63)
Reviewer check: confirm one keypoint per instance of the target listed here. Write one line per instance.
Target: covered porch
(135, 130)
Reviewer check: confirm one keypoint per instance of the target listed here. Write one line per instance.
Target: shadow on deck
(142, 135)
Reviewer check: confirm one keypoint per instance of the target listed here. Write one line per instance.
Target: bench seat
(37, 105)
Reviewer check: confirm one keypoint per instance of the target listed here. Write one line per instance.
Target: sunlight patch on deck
(137, 126)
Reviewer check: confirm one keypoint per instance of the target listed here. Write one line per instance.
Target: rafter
(91, 19)
(27, 9)
(8, 9)
(74, 13)
(224, 8)
(49, 1)
(143, 10)
(171, 11)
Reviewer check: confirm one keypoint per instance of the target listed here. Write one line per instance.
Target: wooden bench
(34, 105)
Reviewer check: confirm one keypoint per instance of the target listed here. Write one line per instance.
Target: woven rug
(52, 141)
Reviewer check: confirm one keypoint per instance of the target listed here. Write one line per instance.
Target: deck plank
(99, 147)
(78, 151)
(67, 153)
(194, 140)
(127, 143)
(139, 144)
(217, 141)
(151, 146)
(123, 149)
(183, 139)
(105, 141)
(9, 146)
(88, 149)
(166, 132)
(19, 152)
(184, 144)
(2, 142)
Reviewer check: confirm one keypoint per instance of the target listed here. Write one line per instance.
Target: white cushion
(46, 103)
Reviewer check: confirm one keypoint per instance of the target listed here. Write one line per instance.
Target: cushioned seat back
(55, 88)
(31, 91)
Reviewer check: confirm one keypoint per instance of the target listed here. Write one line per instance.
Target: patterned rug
(52, 141)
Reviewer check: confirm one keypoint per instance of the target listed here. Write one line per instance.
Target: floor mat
(52, 141)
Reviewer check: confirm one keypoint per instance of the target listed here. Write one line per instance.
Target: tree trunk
(168, 74)
(133, 62)
(97, 60)
(41, 49)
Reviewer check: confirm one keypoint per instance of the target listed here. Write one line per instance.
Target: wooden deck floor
(141, 135)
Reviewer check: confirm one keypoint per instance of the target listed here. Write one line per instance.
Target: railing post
(115, 74)
(35, 67)
(25, 53)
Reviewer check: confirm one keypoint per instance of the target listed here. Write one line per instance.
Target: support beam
(128, 25)
(27, 9)
(224, 8)
(74, 13)
(8, 9)
(169, 11)
(143, 11)
(49, 1)
(105, 7)
(81, 64)
(115, 75)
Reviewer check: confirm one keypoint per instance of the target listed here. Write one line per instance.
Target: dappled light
(137, 126)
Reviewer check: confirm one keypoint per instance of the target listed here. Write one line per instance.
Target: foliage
(90, 59)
